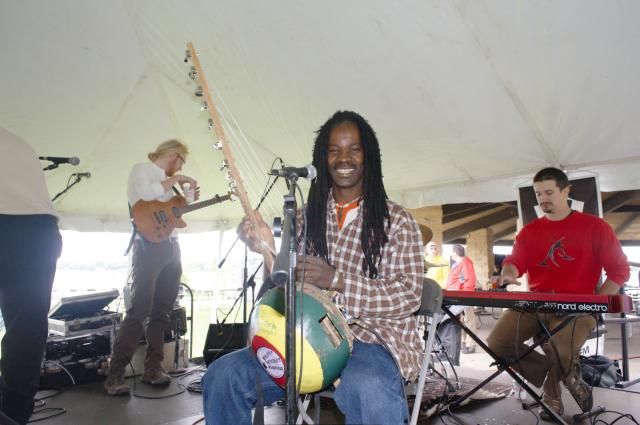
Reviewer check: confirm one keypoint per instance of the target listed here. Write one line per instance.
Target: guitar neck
(239, 189)
(202, 204)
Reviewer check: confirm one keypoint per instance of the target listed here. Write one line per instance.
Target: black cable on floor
(55, 411)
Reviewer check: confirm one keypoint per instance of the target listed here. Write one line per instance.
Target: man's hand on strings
(259, 237)
(316, 271)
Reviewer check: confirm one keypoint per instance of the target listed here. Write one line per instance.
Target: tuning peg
(233, 197)
(224, 165)
(187, 55)
(230, 179)
(204, 106)
(198, 91)
(210, 123)
(218, 145)
(233, 188)
(193, 73)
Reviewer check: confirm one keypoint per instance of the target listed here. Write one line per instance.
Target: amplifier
(64, 349)
(84, 314)
(103, 321)
(82, 357)
(223, 339)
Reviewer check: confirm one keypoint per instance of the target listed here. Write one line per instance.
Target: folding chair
(430, 309)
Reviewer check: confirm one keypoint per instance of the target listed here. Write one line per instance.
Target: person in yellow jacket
(436, 265)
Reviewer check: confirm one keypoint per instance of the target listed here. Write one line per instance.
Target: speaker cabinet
(223, 339)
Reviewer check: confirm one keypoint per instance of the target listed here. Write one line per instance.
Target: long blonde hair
(170, 146)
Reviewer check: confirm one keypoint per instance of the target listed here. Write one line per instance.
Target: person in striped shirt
(369, 250)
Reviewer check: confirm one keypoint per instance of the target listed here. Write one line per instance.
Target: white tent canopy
(468, 98)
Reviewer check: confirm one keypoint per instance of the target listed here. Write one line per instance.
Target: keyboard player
(564, 251)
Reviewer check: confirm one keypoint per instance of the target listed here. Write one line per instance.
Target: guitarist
(156, 270)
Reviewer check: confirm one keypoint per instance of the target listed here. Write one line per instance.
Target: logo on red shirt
(556, 249)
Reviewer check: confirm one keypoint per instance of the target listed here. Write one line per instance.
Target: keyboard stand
(504, 365)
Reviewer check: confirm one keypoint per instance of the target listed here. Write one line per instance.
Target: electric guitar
(155, 220)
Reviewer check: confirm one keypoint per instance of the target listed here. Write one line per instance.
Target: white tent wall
(468, 98)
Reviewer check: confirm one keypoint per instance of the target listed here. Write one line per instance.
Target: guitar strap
(134, 231)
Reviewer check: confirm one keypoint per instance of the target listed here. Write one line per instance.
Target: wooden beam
(506, 232)
(619, 199)
(453, 214)
(482, 222)
(625, 224)
(626, 209)
(455, 208)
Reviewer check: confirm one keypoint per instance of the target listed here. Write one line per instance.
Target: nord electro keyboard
(571, 303)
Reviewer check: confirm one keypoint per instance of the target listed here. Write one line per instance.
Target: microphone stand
(287, 258)
(224, 258)
(69, 186)
(51, 166)
(245, 282)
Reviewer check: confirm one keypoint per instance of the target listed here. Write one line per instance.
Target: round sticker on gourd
(271, 362)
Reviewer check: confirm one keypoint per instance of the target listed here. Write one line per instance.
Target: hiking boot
(579, 389)
(115, 385)
(554, 404)
(156, 377)
(552, 397)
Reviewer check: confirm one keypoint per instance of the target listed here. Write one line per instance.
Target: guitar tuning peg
(224, 165)
(233, 197)
(198, 91)
(204, 106)
(232, 187)
(218, 145)
(210, 123)
(193, 73)
(230, 179)
(187, 55)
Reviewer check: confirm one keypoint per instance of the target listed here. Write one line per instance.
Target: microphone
(282, 262)
(308, 172)
(87, 174)
(73, 160)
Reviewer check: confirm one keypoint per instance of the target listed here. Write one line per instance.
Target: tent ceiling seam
(550, 155)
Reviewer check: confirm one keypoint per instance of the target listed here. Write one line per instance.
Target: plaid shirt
(382, 309)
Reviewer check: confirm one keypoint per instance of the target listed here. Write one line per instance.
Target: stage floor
(89, 405)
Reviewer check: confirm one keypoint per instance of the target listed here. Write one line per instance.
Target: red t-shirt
(568, 256)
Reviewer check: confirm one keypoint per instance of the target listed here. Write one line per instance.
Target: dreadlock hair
(374, 198)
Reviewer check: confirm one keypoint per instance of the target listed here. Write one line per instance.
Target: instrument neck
(197, 205)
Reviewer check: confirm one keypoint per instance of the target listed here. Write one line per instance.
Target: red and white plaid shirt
(382, 309)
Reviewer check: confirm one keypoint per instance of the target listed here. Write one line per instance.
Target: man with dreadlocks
(367, 249)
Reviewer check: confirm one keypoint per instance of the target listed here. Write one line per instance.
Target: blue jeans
(370, 391)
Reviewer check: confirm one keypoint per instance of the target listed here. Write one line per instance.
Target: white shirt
(23, 190)
(145, 183)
